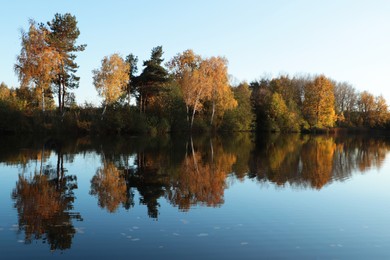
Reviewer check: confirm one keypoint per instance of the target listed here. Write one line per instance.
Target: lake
(225, 197)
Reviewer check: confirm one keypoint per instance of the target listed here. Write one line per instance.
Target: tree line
(187, 93)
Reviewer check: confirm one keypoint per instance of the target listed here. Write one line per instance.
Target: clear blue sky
(345, 40)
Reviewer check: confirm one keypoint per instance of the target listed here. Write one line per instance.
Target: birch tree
(216, 80)
(111, 79)
(186, 68)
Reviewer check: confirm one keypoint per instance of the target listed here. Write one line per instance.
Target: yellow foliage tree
(186, 68)
(111, 79)
(202, 80)
(216, 80)
(318, 104)
(373, 110)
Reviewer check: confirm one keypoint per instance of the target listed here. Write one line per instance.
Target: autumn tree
(63, 36)
(5, 92)
(215, 78)
(366, 107)
(202, 80)
(290, 91)
(111, 80)
(38, 63)
(280, 117)
(373, 110)
(381, 111)
(318, 104)
(186, 70)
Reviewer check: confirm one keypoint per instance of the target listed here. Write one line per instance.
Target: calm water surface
(190, 198)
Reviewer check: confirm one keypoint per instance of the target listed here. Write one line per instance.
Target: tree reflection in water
(44, 202)
(315, 161)
(201, 177)
(186, 172)
(109, 186)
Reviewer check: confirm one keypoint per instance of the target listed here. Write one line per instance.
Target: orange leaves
(38, 62)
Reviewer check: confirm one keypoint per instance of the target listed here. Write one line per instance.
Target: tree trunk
(128, 96)
(140, 104)
(63, 97)
(193, 116)
(62, 172)
(104, 110)
(188, 116)
(58, 169)
(196, 103)
(212, 113)
(42, 157)
(193, 156)
(43, 100)
(60, 95)
(212, 151)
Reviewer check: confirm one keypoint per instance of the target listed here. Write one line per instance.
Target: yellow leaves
(111, 79)
(218, 85)
(186, 67)
(318, 104)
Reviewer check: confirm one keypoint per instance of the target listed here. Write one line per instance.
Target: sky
(342, 39)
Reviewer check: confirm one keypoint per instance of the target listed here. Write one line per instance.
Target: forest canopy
(187, 92)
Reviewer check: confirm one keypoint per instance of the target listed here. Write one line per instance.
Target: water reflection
(108, 184)
(314, 161)
(44, 202)
(201, 176)
(185, 171)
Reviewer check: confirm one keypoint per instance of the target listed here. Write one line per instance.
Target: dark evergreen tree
(152, 79)
(63, 36)
(131, 88)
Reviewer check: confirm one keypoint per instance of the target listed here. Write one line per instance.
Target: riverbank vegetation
(187, 92)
